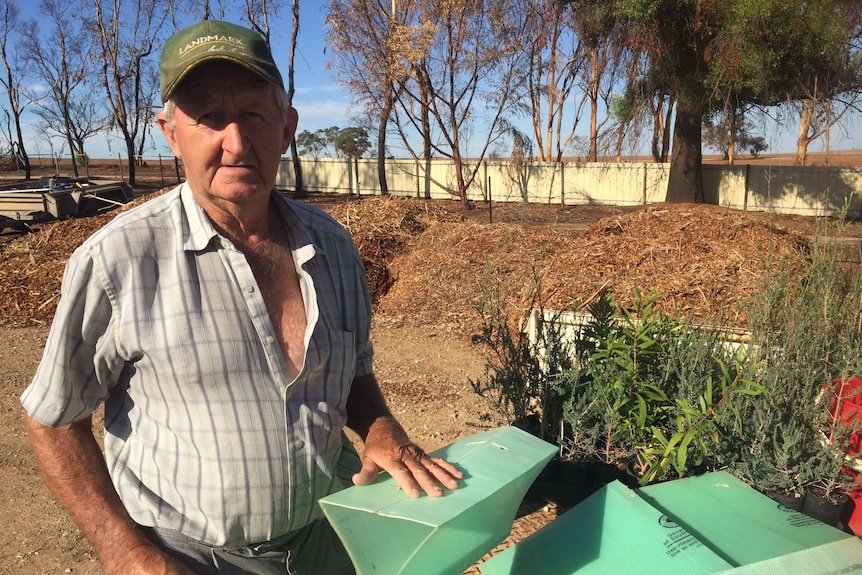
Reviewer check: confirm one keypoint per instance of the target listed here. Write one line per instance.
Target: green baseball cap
(215, 40)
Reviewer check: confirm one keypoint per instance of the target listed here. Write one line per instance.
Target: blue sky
(321, 103)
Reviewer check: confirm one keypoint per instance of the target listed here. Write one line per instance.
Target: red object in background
(848, 396)
(846, 407)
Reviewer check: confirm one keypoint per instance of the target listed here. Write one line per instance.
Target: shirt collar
(200, 232)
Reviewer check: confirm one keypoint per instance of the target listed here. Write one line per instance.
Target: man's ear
(168, 131)
(289, 129)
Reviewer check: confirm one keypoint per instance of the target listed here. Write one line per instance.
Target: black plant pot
(825, 510)
(788, 500)
(567, 483)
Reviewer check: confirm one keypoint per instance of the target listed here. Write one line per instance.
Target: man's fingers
(412, 469)
(406, 479)
(424, 476)
(448, 469)
(367, 474)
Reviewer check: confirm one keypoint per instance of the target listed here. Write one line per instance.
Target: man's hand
(387, 448)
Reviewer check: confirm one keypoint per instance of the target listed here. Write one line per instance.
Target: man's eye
(210, 118)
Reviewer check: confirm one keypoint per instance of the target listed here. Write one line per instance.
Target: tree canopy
(351, 142)
(726, 54)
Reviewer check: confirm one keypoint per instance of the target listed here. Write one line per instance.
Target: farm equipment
(58, 198)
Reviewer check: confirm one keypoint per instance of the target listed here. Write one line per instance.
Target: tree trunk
(300, 191)
(22, 152)
(665, 135)
(71, 145)
(594, 104)
(685, 182)
(381, 142)
(425, 94)
(621, 138)
(130, 151)
(806, 119)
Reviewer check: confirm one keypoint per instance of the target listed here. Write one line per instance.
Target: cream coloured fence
(780, 189)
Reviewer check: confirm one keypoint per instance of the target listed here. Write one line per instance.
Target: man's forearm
(74, 470)
(365, 405)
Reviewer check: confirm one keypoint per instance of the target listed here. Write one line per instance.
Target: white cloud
(318, 114)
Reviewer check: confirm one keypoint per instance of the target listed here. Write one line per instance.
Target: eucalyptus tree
(373, 45)
(311, 143)
(466, 80)
(11, 79)
(704, 53)
(128, 37)
(798, 53)
(604, 58)
(552, 60)
(58, 51)
(351, 142)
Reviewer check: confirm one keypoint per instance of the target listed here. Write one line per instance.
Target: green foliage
(702, 425)
(634, 385)
(630, 384)
(622, 106)
(524, 378)
(807, 331)
(766, 52)
(351, 142)
(669, 391)
(720, 130)
(311, 143)
(347, 143)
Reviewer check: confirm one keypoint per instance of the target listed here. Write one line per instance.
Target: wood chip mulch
(705, 261)
(426, 263)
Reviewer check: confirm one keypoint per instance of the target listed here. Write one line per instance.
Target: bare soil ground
(425, 262)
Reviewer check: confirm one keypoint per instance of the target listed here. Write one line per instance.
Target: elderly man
(226, 329)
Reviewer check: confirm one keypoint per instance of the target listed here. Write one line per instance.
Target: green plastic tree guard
(387, 532)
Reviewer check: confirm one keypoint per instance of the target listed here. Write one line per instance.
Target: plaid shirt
(161, 318)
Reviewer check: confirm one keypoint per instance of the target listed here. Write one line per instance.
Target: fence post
(120, 166)
(490, 203)
(356, 167)
(745, 191)
(644, 186)
(562, 167)
(161, 172)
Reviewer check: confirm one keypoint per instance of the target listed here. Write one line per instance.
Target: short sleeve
(79, 363)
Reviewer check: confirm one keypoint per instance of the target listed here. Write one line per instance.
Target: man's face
(230, 133)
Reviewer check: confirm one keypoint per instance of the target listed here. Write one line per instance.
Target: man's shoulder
(157, 213)
(316, 220)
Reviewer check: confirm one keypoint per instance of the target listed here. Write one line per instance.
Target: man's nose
(234, 137)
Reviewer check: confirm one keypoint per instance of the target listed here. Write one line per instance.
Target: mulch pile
(385, 227)
(427, 264)
(704, 261)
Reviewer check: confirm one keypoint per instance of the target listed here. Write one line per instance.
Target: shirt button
(268, 340)
(249, 289)
(299, 444)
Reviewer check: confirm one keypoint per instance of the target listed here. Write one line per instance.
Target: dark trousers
(312, 550)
